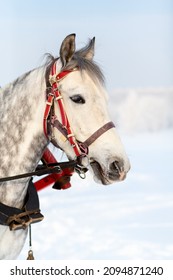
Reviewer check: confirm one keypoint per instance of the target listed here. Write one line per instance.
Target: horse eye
(77, 99)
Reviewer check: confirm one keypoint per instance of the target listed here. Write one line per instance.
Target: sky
(134, 38)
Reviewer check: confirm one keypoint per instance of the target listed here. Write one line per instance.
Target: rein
(41, 170)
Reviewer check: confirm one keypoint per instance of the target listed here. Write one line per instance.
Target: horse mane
(79, 60)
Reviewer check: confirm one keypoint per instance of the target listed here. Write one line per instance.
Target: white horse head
(85, 102)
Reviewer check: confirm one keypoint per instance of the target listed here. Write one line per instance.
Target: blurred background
(134, 42)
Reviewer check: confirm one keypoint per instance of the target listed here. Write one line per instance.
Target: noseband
(53, 94)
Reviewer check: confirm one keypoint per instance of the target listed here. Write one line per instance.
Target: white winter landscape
(128, 220)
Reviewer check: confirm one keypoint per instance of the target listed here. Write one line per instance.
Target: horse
(72, 80)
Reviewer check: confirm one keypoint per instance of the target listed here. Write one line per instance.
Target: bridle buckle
(52, 79)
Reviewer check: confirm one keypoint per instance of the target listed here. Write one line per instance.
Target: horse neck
(22, 140)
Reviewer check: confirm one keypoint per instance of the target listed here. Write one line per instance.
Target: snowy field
(128, 220)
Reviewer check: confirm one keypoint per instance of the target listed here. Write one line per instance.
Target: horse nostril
(117, 168)
(116, 165)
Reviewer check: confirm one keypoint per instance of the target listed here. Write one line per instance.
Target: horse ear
(89, 50)
(67, 49)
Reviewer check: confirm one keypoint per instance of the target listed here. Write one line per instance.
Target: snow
(142, 110)
(127, 220)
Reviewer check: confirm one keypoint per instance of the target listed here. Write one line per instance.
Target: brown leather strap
(89, 141)
(60, 127)
(98, 133)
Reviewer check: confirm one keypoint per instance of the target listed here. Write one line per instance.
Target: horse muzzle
(115, 172)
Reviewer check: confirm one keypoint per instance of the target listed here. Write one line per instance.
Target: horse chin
(105, 177)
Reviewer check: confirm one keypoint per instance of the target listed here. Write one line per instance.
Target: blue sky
(134, 38)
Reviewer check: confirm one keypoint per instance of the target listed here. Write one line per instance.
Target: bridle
(53, 94)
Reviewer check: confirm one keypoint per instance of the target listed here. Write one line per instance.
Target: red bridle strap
(55, 95)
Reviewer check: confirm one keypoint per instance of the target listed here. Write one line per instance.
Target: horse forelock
(78, 60)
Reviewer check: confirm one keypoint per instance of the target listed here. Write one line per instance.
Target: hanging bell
(30, 255)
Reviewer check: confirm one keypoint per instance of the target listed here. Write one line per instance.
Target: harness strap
(50, 168)
(59, 180)
(17, 218)
(49, 103)
(97, 134)
(60, 127)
